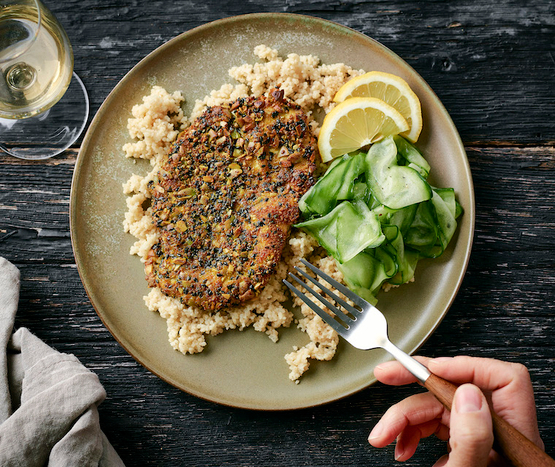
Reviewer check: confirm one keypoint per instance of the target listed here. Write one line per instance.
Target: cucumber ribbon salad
(377, 215)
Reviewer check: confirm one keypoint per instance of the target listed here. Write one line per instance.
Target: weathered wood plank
(491, 63)
(514, 187)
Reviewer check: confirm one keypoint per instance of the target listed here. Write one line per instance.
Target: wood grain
(491, 64)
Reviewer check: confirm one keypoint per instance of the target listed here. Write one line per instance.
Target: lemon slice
(355, 123)
(391, 89)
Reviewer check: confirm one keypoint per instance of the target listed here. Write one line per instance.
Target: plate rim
(469, 210)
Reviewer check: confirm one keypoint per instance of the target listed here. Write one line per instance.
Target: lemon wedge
(391, 89)
(356, 122)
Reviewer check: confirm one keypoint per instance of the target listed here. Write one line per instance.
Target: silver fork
(366, 328)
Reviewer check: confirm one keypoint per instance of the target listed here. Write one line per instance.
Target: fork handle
(509, 442)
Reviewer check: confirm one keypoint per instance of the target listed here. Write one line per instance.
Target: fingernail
(398, 452)
(385, 365)
(468, 398)
(376, 432)
(439, 360)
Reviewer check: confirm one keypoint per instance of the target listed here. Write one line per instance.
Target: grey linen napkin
(48, 400)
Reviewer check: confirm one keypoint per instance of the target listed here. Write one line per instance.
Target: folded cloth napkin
(48, 400)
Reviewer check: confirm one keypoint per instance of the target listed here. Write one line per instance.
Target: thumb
(471, 434)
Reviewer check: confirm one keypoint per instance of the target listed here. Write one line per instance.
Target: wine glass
(43, 104)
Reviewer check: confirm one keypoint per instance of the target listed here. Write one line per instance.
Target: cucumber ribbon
(377, 215)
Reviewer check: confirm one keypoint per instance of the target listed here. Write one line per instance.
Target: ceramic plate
(246, 369)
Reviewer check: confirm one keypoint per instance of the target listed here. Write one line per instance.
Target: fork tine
(344, 290)
(330, 294)
(348, 320)
(321, 313)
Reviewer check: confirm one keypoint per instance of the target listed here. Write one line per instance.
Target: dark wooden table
(493, 66)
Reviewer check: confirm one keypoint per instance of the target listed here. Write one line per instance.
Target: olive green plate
(246, 369)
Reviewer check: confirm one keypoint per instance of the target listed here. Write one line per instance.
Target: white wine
(36, 63)
(44, 106)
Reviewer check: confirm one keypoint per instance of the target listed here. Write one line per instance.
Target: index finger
(395, 374)
(486, 373)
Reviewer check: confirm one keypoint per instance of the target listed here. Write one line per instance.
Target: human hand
(507, 389)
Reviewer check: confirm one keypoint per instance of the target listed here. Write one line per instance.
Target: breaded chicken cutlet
(225, 199)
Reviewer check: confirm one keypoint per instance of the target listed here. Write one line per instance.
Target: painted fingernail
(468, 398)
